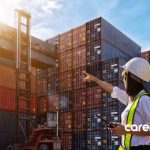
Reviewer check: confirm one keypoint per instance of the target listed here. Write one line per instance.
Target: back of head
(133, 87)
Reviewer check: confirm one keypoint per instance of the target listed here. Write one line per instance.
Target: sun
(7, 11)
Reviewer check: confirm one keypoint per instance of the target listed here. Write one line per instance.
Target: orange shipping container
(7, 77)
(66, 121)
(65, 61)
(8, 100)
(79, 56)
(33, 84)
(79, 36)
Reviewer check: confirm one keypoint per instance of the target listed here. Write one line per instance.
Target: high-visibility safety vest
(130, 120)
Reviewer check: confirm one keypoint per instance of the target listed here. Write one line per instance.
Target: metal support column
(23, 74)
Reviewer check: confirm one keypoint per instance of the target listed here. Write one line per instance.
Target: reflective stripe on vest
(120, 148)
(130, 120)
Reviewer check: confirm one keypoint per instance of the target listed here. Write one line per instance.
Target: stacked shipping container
(8, 104)
(94, 100)
(112, 108)
(90, 47)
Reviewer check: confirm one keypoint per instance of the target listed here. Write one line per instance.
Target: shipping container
(95, 70)
(42, 85)
(65, 61)
(79, 99)
(33, 84)
(53, 103)
(65, 81)
(94, 140)
(66, 138)
(94, 97)
(42, 73)
(53, 83)
(79, 120)
(78, 76)
(112, 108)
(65, 41)
(93, 53)
(79, 36)
(65, 101)
(119, 40)
(65, 121)
(7, 99)
(79, 56)
(8, 128)
(110, 141)
(79, 141)
(42, 104)
(94, 123)
(7, 77)
(33, 104)
(94, 47)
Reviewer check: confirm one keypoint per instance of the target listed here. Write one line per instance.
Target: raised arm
(115, 92)
(104, 85)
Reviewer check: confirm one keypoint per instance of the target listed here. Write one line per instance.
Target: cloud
(51, 6)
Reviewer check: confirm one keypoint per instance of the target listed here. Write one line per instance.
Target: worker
(136, 78)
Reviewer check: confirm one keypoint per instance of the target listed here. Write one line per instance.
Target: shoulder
(145, 99)
(144, 102)
(144, 108)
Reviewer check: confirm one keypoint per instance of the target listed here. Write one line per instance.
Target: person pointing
(136, 97)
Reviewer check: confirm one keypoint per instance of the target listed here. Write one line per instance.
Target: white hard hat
(139, 67)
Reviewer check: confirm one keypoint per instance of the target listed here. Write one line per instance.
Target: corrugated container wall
(119, 41)
(92, 47)
(8, 105)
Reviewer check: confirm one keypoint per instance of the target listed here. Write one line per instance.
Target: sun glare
(7, 11)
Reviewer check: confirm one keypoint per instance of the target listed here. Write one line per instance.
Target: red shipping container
(53, 103)
(7, 98)
(78, 78)
(42, 104)
(33, 84)
(94, 97)
(33, 103)
(79, 56)
(66, 140)
(79, 99)
(79, 120)
(7, 77)
(65, 81)
(65, 61)
(65, 121)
